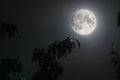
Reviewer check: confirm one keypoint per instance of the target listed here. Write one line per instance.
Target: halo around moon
(83, 22)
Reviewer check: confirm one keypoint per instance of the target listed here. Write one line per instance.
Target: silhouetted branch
(47, 59)
(9, 28)
(9, 66)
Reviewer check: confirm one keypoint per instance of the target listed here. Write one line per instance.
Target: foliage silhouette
(115, 60)
(115, 57)
(48, 59)
(9, 28)
(112, 52)
(118, 19)
(8, 66)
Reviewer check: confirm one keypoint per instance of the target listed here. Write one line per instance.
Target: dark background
(45, 21)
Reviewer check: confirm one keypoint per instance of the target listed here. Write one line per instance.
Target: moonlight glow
(83, 22)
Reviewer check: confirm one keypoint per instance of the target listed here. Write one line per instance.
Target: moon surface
(83, 22)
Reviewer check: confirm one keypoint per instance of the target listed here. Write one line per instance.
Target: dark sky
(42, 22)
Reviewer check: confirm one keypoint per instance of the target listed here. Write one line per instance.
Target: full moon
(83, 22)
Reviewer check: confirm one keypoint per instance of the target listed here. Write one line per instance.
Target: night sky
(45, 21)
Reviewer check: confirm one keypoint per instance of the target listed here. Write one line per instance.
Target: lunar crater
(83, 22)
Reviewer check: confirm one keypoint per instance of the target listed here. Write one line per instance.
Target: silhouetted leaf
(118, 19)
